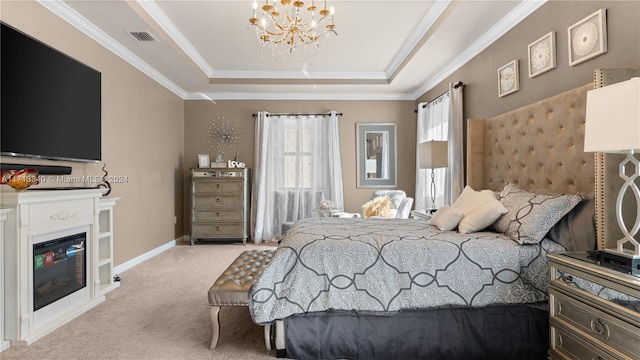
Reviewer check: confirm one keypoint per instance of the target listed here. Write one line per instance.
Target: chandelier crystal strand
(291, 28)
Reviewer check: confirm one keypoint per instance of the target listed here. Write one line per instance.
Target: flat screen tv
(49, 103)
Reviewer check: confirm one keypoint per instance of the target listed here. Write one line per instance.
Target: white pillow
(480, 208)
(466, 194)
(446, 218)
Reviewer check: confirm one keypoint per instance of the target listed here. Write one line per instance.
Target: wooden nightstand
(594, 311)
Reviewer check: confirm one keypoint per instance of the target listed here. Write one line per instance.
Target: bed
(390, 288)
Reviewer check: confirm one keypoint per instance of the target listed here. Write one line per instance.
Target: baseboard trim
(144, 257)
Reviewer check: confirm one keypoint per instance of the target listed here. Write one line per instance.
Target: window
(297, 157)
(297, 166)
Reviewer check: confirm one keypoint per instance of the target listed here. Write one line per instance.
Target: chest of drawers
(220, 204)
(594, 311)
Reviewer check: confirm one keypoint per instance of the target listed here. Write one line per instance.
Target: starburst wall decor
(223, 136)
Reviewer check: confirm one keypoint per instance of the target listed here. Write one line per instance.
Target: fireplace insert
(59, 269)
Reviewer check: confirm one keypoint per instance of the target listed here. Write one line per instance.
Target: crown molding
(512, 19)
(72, 17)
(300, 96)
(298, 77)
(154, 11)
(409, 48)
(62, 10)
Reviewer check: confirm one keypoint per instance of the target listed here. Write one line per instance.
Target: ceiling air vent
(142, 36)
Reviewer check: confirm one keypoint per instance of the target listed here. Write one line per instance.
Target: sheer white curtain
(297, 165)
(441, 119)
(456, 149)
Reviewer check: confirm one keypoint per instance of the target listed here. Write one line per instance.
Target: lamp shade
(434, 154)
(613, 118)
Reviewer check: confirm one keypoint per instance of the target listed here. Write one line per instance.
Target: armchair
(401, 203)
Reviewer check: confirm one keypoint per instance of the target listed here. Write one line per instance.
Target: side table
(594, 311)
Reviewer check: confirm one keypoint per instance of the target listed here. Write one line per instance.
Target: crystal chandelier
(286, 25)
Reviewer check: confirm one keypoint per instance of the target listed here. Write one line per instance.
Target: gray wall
(198, 115)
(480, 74)
(142, 135)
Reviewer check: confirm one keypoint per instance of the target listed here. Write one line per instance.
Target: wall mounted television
(50, 104)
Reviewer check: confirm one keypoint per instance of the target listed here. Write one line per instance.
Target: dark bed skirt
(496, 332)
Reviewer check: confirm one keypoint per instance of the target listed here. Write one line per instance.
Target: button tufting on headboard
(538, 147)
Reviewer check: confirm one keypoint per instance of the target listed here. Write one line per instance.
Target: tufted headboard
(538, 147)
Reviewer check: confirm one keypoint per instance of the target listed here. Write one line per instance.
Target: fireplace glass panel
(59, 269)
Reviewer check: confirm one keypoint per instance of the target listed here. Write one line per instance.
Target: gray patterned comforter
(395, 264)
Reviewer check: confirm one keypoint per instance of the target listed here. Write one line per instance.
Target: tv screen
(49, 103)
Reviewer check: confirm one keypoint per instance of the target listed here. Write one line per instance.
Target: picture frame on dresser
(587, 38)
(203, 161)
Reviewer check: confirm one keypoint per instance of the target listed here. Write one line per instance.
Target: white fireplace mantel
(3, 217)
(38, 216)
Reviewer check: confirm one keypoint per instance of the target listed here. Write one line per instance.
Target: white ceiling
(384, 50)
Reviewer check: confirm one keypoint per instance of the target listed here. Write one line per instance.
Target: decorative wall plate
(542, 54)
(508, 78)
(588, 37)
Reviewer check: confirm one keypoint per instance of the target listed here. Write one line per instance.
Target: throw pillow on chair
(379, 207)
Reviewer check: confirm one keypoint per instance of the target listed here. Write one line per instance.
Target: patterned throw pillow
(531, 215)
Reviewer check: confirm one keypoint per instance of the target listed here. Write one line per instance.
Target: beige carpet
(160, 311)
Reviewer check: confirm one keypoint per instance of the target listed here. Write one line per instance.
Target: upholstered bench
(232, 287)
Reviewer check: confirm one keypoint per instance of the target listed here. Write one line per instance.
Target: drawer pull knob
(599, 328)
(567, 278)
(218, 200)
(559, 307)
(218, 186)
(218, 214)
(218, 228)
(597, 357)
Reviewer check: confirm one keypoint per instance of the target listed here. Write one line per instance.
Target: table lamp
(433, 155)
(613, 126)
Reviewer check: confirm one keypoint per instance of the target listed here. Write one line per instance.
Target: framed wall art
(542, 54)
(508, 78)
(588, 37)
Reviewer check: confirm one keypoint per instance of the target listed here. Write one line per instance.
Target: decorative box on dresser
(594, 310)
(220, 204)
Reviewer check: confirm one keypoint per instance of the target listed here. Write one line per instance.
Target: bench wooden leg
(215, 321)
